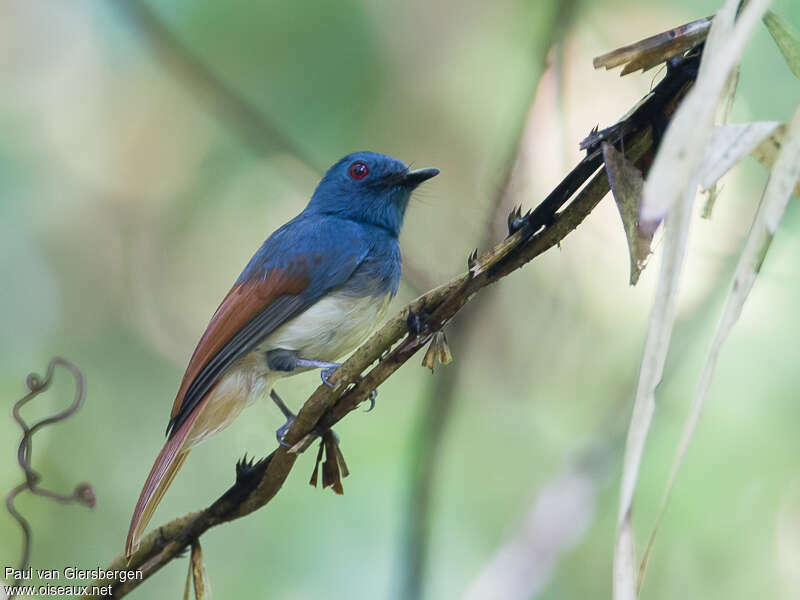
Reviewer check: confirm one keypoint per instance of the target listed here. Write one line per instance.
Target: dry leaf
(689, 131)
(767, 151)
(729, 144)
(438, 351)
(670, 192)
(650, 52)
(765, 224)
(334, 467)
(197, 567)
(626, 184)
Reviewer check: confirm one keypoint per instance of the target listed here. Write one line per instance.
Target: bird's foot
(327, 368)
(280, 433)
(325, 375)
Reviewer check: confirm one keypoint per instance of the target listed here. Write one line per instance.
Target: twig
(83, 494)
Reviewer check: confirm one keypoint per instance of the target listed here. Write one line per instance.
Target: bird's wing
(295, 267)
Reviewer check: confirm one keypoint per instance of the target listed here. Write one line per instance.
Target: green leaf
(787, 38)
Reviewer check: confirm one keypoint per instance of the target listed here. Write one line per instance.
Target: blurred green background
(127, 209)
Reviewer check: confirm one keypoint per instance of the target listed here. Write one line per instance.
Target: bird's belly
(331, 328)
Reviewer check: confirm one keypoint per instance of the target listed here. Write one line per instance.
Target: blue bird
(311, 294)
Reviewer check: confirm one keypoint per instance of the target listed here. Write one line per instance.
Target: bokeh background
(130, 198)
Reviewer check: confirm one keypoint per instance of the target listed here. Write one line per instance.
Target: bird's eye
(358, 170)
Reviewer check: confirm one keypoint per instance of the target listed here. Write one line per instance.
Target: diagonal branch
(390, 347)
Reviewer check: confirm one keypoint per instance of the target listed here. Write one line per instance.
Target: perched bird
(312, 293)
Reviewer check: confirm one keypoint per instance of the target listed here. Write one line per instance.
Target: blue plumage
(312, 292)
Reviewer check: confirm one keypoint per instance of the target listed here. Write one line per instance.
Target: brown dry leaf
(767, 151)
(438, 351)
(626, 184)
(199, 574)
(690, 130)
(650, 52)
(334, 468)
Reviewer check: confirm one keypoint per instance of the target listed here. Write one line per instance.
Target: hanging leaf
(438, 351)
(334, 468)
(669, 192)
(626, 184)
(659, 331)
(765, 224)
(787, 38)
(197, 567)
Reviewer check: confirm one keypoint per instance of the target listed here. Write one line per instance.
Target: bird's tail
(167, 465)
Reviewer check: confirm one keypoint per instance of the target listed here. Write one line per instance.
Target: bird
(313, 291)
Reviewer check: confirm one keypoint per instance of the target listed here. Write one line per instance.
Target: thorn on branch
(473, 256)
(516, 220)
(83, 492)
(249, 470)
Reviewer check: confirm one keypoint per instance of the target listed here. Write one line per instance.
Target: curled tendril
(83, 493)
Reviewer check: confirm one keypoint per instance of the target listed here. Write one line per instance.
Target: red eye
(358, 170)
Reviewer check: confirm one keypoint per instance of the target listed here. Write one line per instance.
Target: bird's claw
(372, 395)
(280, 433)
(325, 375)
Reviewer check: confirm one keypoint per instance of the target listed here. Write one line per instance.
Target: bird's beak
(414, 178)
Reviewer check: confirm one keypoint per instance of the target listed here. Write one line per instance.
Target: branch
(534, 233)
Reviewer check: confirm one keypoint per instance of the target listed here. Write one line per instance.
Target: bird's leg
(327, 368)
(290, 416)
(281, 359)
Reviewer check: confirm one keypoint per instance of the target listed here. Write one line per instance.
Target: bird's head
(368, 188)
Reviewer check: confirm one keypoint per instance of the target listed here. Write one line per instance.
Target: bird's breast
(330, 328)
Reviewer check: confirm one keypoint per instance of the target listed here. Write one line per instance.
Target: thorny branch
(83, 494)
(530, 235)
